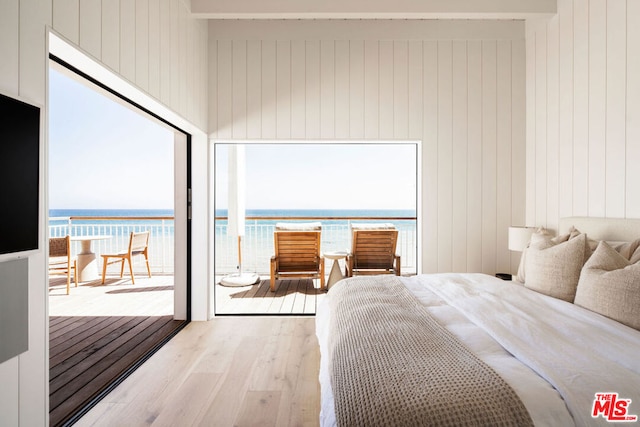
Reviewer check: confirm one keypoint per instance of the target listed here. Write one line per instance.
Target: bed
(512, 354)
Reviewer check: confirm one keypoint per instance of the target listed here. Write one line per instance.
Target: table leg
(87, 267)
(335, 275)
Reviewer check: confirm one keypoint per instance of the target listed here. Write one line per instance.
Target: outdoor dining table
(87, 265)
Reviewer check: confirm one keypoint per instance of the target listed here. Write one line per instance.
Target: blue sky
(103, 155)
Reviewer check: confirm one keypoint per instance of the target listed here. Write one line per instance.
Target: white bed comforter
(555, 355)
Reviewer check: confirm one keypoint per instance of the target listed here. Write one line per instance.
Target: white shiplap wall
(456, 86)
(583, 112)
(153, 44)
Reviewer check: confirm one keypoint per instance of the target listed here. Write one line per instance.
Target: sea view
(257, 244)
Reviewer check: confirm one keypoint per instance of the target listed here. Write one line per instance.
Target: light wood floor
(230, 371)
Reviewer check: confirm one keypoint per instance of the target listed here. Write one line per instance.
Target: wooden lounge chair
(373, 250)
(138, 245)
(297, 252)
(60, 259)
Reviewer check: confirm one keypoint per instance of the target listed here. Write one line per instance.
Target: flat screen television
(19, 175)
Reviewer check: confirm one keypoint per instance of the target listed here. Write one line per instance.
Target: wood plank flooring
(292, 296)
(230, 371)
(87, 354)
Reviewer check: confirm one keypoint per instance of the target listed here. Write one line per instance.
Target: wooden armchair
(373, 250)
(138, 245)
(60, 259)
(297, 253)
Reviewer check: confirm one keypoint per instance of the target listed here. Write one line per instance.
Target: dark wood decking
(88, 353)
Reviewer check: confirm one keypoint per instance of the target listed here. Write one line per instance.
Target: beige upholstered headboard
(612, 229)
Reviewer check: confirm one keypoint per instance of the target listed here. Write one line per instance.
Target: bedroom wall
(583, 112)
(456, 86)
(131, 38)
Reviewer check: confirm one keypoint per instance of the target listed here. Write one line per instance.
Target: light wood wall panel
(462, 96)
(153, 44)
(586, 130)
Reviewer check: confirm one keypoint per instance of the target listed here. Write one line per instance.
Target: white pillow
(540, 233)
(554, 268)
(610, 285)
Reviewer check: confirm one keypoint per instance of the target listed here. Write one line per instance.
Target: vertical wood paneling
(530, 157)
(597, 105)
(518, 136)
(400, 90)
(327, 89)
(489, 159)
(154, 48)
(581, 108)
(254, 89)
(551, 218)
(128, 40)
(224, 106)
(632, 198)
(283, 89)
(342, 81)
(90, 35)
(213, 89)
(474, 156)
(142, 45)
(165, 52)
(616, 108)
(371, 93)
(459, 157)
(415, 90)
(312, 110)
(386, 89)
(174, 53)
(503, 153)
(356, 89)
(445, 155)
(9, 47)
(269, 89)
(430, 157)
(541, 128)
(110, 34)
(298, 89)
(565, 131)
(66, 15)
(239, 87)
(183, 82)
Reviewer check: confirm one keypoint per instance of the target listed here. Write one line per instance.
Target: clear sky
(103, 155)
(324, 176)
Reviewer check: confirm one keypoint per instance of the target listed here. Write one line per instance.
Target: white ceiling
(372, 9)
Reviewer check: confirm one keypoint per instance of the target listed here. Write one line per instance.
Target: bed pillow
(540, 233)
(554, 268)
(610, 285)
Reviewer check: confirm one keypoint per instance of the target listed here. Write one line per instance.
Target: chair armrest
(397, 265)
(349, 265)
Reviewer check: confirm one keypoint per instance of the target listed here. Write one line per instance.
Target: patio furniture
(336, 272)
(373, 250)
(138, 245)
(297, 252)
(60, 259)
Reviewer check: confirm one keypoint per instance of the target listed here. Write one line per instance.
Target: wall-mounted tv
(19, 175)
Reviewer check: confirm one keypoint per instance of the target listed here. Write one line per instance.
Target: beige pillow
(554, 268)
(541, 234)
(610, 285)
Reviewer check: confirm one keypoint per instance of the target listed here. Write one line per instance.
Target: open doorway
(114, 171)
(334, 184)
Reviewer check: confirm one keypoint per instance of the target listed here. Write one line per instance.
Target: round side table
(336, 273)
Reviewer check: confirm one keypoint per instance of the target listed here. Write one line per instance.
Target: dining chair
(138, 245)
(61, 261)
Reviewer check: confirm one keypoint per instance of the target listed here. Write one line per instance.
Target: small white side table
(87, 264)
(336, 273)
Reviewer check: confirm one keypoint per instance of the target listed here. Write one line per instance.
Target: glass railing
(257, 243)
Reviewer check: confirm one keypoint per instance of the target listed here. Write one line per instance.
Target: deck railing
(257, 244)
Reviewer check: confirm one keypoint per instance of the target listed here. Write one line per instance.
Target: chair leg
(147, 261)
(104, 268)
(133, 279)
(121, 267)
(75, 273)
(68, 279)
(272, 279)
